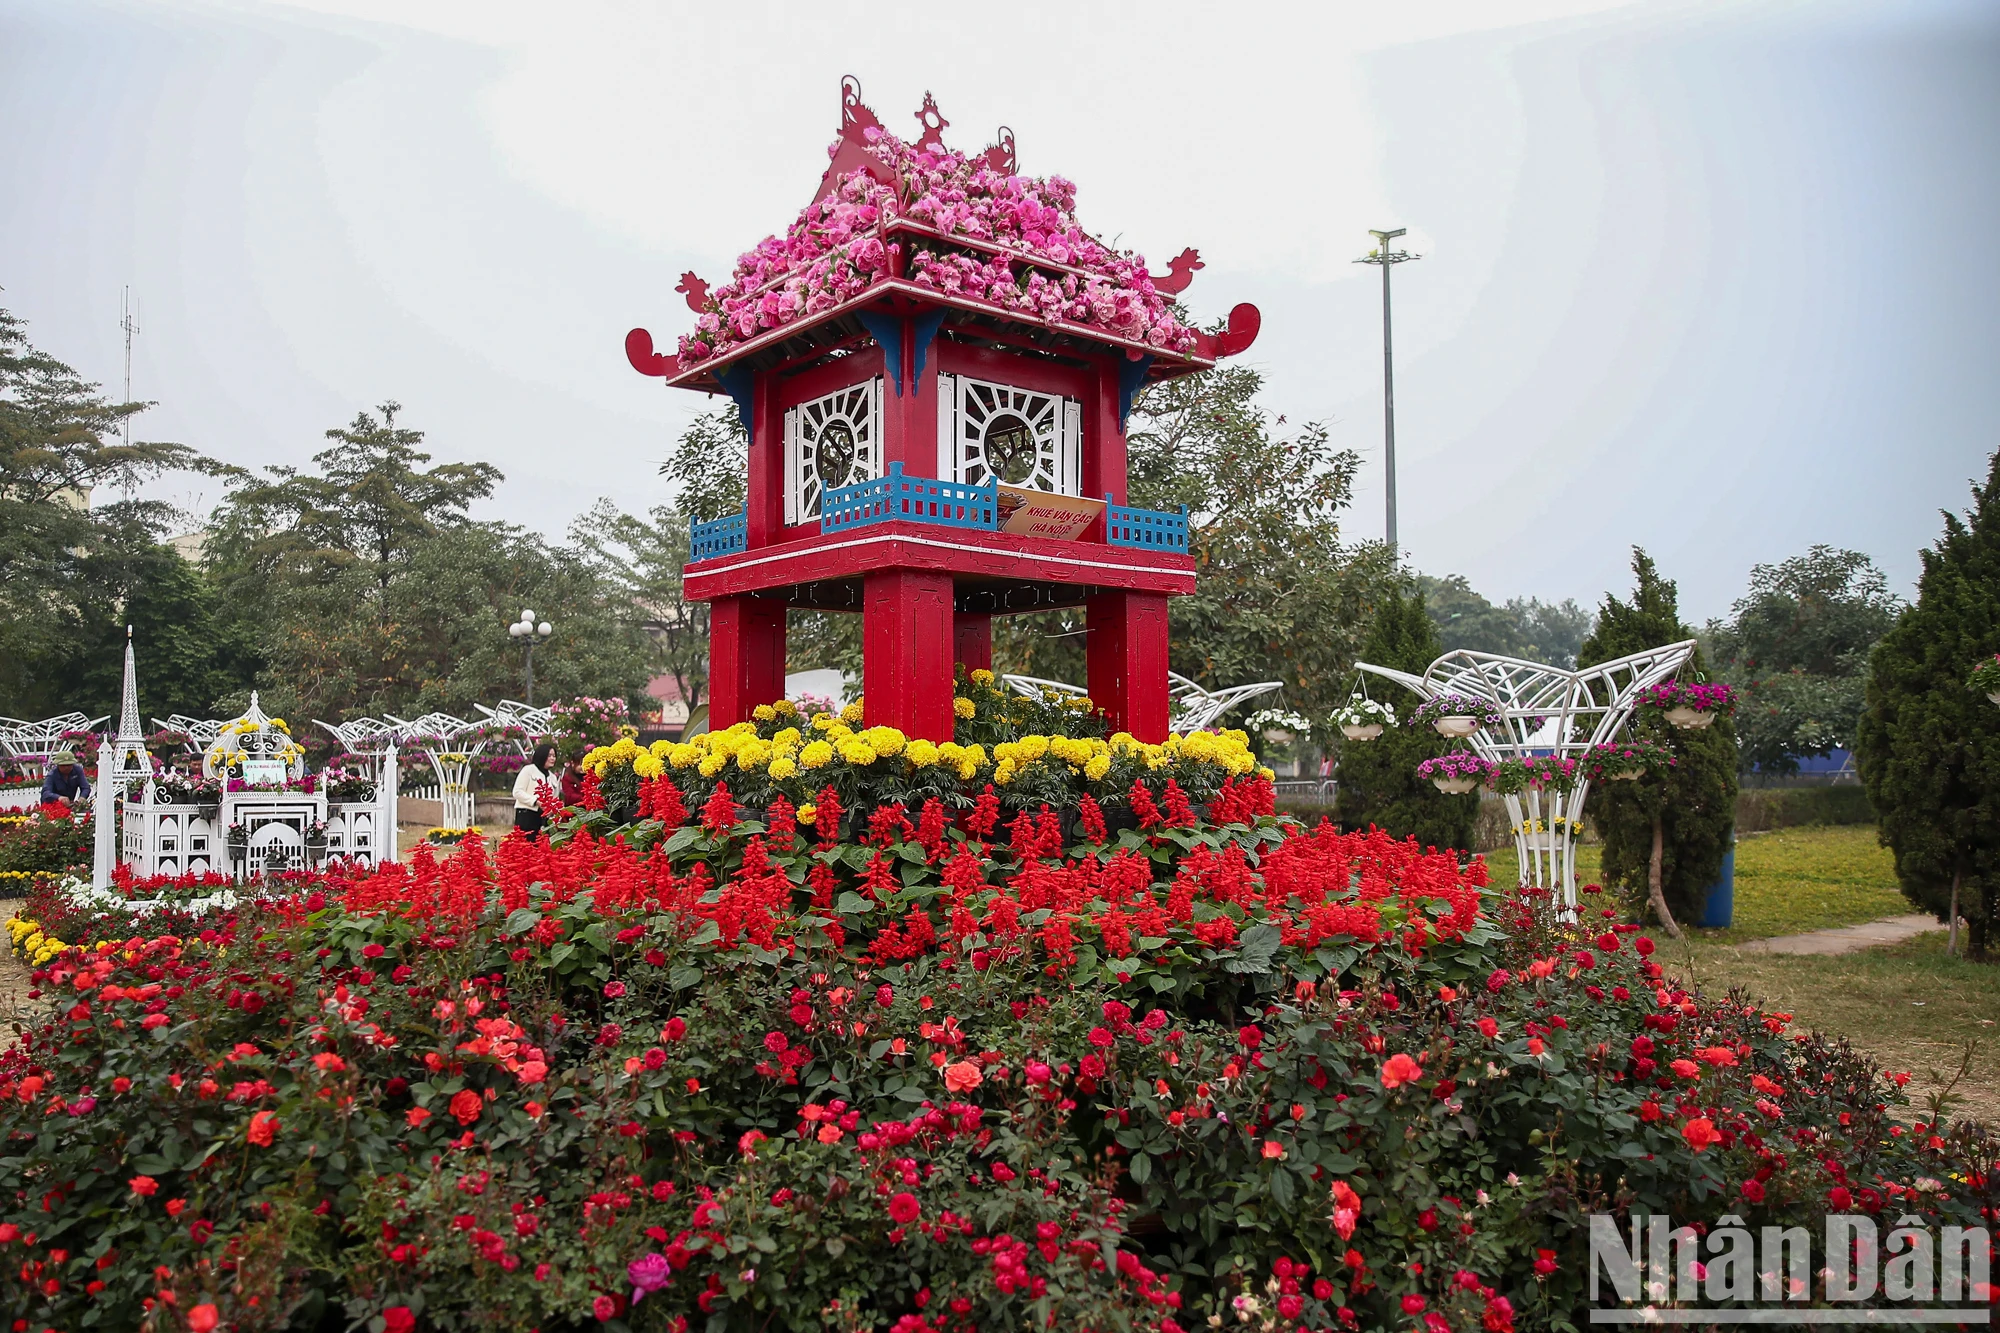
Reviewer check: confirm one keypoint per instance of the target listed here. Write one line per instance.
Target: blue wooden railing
(950, 504)
(709, 538)
(1148, 529)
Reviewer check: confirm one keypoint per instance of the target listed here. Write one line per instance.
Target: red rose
(1643, 946)
(466, 1106)
(263, 1128)
(675, 1029)
(1400, 1069)
(904, 1209)
(145, 1186)
(1700, 1133)
(398, 1319)
(1753, 1191)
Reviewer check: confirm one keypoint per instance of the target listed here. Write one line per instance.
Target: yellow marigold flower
(782, 768)
(785, 708)
(753, 757)
(714, 764)
(807, 812)
(1267, 774)
(684, 756)
(817, 755)
(963, 707)
(1007, 752)
(789, 736)
(646, 766)
(982, 676)
(1003, 772)
(628, 732)
(976, 755)
(853, 713)
(764, 713)
(921, 754)
(885, 741)
(1097, 768)
(967, 772)
(662, 749)
(1033, 747)
(857, 752)
(821, 721)
(1080, 702)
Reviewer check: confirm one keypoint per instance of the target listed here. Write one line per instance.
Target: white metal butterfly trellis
(1545, 710)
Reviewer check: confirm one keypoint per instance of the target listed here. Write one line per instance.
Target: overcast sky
(1719, 279)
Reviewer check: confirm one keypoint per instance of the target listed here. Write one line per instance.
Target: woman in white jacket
(528, 787)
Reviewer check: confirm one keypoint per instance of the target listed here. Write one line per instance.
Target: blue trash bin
(1720, 907)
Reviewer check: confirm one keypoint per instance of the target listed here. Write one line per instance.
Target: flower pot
(1633, 776)
(1543, 842)
(1690, 719)
(1456, 726)
(1366, 731)
(1455, 786)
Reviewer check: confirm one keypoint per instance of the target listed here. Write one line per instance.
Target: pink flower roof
(921, 218)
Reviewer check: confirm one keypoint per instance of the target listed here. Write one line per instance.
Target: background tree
(1378, 779)
(75, 559)
(1797, 645)
(1664, 837)
(368, 588)
(1928, 747)
(1539, 631)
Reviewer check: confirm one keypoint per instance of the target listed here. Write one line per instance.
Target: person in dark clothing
(63, 781)
(572, 780)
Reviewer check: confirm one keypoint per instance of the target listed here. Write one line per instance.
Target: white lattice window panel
(834, 440)
(1019, 437)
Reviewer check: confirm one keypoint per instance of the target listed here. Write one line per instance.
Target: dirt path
(1847, 939)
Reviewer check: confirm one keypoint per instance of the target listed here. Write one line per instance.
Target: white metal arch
(1194, 707)
(446, 741)
(1545, 710)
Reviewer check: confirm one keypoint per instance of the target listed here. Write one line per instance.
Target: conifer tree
(1686, 818)
(1928, 746)
(1378, 779)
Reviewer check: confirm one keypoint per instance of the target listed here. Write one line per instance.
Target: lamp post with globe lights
(528, 629)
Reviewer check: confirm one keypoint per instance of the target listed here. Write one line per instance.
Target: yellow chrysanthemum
(785, 708)
(764, 713)
(684, 756)
(647, 766)
(921, 754)
(662, 749)
(782, 768)
(821, 721)
(857, 752)
(885, 741)
(853, 714)
(753, 756)
(816, 755)
(788, 736)
(982, 676)
(1003, 772)
(713, 764)
(963, 707)
(1033, 747)
(1097, 768)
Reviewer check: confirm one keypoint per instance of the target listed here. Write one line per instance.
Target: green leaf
(681, 839)
(1255, 948)
(1283, 1188)
(684, 976)
(1141, 1168)
(522, 920)
(709, 933)
(851, 903)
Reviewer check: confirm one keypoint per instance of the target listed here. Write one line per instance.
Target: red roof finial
(850, 151)
(933, 122)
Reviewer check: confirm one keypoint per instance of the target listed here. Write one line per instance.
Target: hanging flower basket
(1985, 678)
(1456, 773)
(1277, 726)
(1537, 772)
(1626, 761)
(1456, 715)
(1689, 705)
(1552, 836)
(1363, 719)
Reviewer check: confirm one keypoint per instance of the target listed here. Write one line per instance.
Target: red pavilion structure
(935, 366)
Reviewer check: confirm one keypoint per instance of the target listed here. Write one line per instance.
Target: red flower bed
(945, 1074)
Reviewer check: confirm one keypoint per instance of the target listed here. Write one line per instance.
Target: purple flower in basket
(1457, 764)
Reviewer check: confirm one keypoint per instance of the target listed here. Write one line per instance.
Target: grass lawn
(1787, 882)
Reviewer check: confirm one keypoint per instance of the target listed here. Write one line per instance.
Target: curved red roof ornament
(850, 151)
(696, 292)
(1244, 322)
(639, 351)
(1000, 157)
(1180, 272)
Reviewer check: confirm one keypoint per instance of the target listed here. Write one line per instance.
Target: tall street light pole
(1388, 257)
(527, 628)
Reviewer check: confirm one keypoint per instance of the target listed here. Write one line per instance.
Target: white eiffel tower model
(121, 762)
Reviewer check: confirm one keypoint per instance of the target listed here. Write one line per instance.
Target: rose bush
(914, 1070)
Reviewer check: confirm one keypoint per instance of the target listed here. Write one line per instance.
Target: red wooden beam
(746, 657)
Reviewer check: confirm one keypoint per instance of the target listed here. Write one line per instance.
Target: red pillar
(746, 657)
(906, 643)
(972, 640)
(1127, 661)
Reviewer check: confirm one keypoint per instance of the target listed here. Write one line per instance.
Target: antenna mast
(130, 323)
